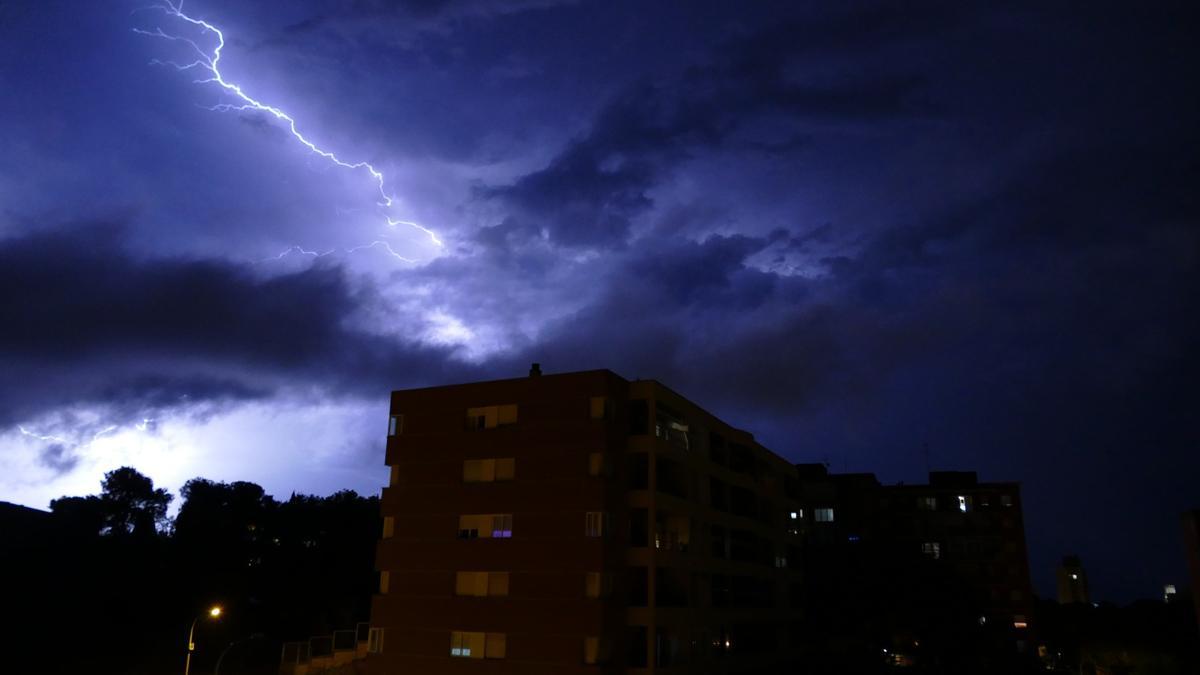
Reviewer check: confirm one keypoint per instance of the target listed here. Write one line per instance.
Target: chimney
(535, 370)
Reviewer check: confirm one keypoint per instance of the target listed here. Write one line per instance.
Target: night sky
(885, 236)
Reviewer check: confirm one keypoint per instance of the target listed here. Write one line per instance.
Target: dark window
(719, 593)
(670, 588)
(720, 543)
(637, 646)
(718, 494)
(671, 477)
(741, 459)
(639, 417)
(742, 502)
(639, 471)
(639, 528)
(638, 587)
(716, 449)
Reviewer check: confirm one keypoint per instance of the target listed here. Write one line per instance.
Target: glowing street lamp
(214, 612)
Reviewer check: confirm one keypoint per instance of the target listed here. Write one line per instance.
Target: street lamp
(214, 612)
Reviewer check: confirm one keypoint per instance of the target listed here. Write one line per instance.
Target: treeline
(107, 583)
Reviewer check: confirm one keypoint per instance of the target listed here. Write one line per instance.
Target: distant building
(1191, 542)
(557, 523)
(943, 563)
(1072, 582)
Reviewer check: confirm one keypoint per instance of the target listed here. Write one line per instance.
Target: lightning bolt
(41, 437)
(210, 62)
(314, 255)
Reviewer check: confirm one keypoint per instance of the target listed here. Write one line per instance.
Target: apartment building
(1071, 581)
(904, 572)
(581, 523)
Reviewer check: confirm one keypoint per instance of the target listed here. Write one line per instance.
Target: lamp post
(213, 612)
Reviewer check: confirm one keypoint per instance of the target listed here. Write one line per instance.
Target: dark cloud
(590, 194)
(58, 458)
(88, 322)
(413, 16)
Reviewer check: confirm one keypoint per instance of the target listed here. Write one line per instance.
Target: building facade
(912, 573)
(1072, 583)
(1191, 543)
(583, 523)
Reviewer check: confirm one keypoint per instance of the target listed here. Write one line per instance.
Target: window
(489, 470)
(669, 425)
(375, 641)
(1020, 622)
(506, 468)
(927, 503)
(601, 408)
(395, 425)
(639, 528)
(639, 471)
(597, 585)
(384, 581)
(780, 561)
(598, 464)
(595, 524)
(481, 584)
(639, 417)
(823, 515)
(389, 527)
(964, 503)
(477, 645)
(485, 526)
(490, 417)
(1006, 500)
(497, 645)
(932, 549)
(595, 650)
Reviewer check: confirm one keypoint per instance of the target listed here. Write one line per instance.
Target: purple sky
(857, 230)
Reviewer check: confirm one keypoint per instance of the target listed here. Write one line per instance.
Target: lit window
(601, 408)
(489, 470)
(823, 515)
(384, 582)
(598, 464)
(490, 417)
(594, 523)
(597, 585)
(1020, 622)
(469, 645)
(506, 468)
(484, 526)
(932, 549)
(1169, 592)
(502, 526)
(595, 650)
(1074, 576)
(395, 425)
(375, 641)
(481, 584)
(1006, 500)
(964, 503)
(795, 515)
(927, 503)
(389, 527)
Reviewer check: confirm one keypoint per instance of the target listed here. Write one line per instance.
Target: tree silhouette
(131, 504)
